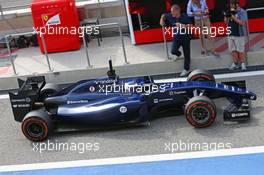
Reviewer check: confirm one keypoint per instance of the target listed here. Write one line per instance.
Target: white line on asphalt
(217, 76)
(4, 96)
(135, 159)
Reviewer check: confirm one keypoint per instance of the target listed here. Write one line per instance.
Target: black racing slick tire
(200, 112)
(37, 126)
(201, 75)
(48, 90)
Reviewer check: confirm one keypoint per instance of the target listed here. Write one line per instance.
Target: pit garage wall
(107, 12)
(151, 11)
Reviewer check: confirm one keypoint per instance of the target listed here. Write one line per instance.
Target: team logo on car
(21, 106)
(92, 89)
(23, 100)
(123, 109)
(239, 115)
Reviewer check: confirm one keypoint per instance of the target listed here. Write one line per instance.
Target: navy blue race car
(111, 101)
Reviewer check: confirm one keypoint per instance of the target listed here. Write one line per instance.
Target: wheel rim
(200, 114)
(35, 129)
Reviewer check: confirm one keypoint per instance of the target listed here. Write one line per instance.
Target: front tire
(37, 125)
(201, 75)
(200, 112)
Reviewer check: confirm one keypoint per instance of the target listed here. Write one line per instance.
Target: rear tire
(201, 75)
(200, 112)
(37, 125)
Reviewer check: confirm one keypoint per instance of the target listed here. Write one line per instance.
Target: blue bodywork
(110, 100)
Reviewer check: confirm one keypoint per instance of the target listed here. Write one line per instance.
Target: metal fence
(104, 25)
(9, 37)
(165, 43)
(248, 27)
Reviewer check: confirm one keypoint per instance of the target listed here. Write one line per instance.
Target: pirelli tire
(37, 125)
(201, 75)
(200, 112)
(48, 90)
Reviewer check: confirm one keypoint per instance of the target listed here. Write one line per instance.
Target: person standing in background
(199, 10)
(179, 22)
(237, 23)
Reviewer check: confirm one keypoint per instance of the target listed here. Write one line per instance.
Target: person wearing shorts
(236, 38)
(236, 44)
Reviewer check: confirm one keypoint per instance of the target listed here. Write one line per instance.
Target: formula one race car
(111, 101)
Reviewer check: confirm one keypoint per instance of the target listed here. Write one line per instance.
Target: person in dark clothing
(180, 24)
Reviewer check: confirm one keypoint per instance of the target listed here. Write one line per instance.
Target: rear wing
(24, 99)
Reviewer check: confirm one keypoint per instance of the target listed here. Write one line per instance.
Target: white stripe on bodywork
(84, 109)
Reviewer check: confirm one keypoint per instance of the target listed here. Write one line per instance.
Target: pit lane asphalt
(16, 149)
